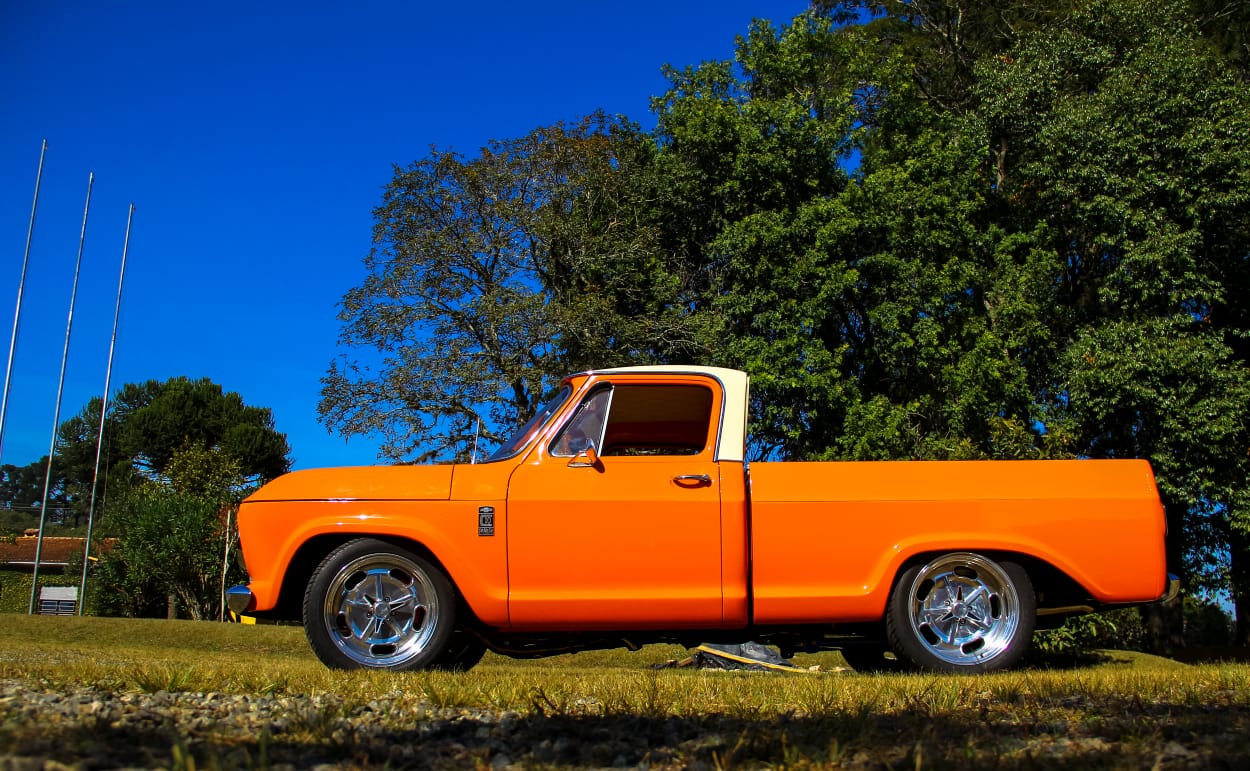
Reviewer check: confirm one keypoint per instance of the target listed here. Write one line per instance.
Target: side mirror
(587, 458)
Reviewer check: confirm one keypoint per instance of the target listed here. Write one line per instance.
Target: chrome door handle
(692, 480)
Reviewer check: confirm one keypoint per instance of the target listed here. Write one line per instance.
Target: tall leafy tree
(848, 230)
(21, 490)
(77, 442)
(453, 303)
(1226, 23)
(750, 158)
(180, 454)
(21, 487)
(1122, 154)
(1046, 208)
(927, 229)
(491, 277)
(614, 285)
(942, 41)
(149, 423)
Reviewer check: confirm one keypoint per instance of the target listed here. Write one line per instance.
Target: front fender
(272, 532)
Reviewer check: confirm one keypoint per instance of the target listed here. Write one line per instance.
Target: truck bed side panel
(828, 538)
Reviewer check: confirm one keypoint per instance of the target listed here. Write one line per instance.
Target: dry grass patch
(597, 709)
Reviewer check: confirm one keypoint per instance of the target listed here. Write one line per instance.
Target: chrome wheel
(962, 612)
(376, 606)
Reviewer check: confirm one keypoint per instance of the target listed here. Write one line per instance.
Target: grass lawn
(1124, 711)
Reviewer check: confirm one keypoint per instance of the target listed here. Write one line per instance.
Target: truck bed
(827, 537)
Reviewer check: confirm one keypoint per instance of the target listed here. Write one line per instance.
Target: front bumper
(240, 599)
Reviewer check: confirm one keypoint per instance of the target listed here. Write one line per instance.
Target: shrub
(169, 545)
(1207, 624)
(1079, 635)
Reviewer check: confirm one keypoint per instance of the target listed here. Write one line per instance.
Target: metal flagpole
(104, 408)
(60, 390)
(21, 288)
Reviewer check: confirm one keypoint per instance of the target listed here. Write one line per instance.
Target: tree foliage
(927, 229)
(486, 281)
(1122, 151)
(21, 489)
(178, 455)
(150, 423)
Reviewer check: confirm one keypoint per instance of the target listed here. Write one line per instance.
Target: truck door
(616, 521)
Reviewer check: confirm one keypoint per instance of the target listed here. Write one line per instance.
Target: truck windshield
(526, 434)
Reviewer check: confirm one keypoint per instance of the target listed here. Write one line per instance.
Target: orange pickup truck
(624, 513)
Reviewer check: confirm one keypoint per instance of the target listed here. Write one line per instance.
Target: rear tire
(374, 605)
(962, 612)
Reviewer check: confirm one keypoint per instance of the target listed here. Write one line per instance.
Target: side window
(586, 425)
(658, 420)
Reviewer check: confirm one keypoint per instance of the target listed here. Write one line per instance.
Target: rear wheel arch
(961, 610)
(1052, 586)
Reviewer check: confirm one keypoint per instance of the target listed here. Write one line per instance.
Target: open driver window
(658, 420)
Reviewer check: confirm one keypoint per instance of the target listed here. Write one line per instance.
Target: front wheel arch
(310, 554)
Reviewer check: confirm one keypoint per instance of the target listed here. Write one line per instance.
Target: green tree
(453, 303)
(76, 448)
(490, 278)
(171, 535)
(200, 472)
(943, 40)
(1122, 156)
(199, 413)
(927, 229)
(178, 456)
(850, 231)
(617, 292)
(1226, 23)
(149, 423)
(1041, 248)
(21, 490)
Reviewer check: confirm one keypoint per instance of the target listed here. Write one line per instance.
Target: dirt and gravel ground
(91, 728)
(87, 727)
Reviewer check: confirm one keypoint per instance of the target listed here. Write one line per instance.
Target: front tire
(962, 612)
(374, 605)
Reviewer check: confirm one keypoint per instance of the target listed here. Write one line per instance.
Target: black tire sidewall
(319, 636)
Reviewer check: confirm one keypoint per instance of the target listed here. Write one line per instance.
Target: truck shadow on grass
(1097, 658)
(979, 732)
(1071, 661)
(1213, 654)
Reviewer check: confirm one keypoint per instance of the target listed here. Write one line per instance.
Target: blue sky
(254, 140)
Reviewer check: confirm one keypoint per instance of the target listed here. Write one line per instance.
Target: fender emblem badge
(486, 520)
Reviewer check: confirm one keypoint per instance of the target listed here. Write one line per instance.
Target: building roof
(57, 551)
